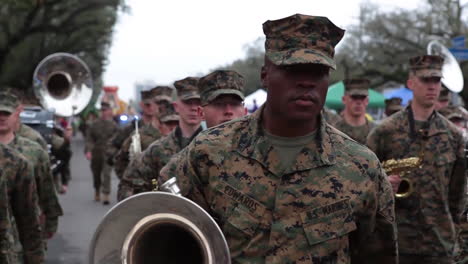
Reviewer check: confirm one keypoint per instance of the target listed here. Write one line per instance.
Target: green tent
(336, 91)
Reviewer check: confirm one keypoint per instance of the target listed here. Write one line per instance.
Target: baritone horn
(63, 82)
(402, 167)
(158, 227)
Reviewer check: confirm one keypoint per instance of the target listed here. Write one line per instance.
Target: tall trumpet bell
(63, 82)
(158, 227)
(451, 71)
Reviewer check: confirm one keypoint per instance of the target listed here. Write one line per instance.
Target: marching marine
(138, 177)
(96, 141)
(429, 210)
(284, 186)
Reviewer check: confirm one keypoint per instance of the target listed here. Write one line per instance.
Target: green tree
(31, 30)
(379, 46)
(250, 66)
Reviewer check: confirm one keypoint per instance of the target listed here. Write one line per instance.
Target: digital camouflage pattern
(141, 171)
(148, 134)
(220, 82)
(162, 93)
(431, 214)
(393, 104)
(358, 133)
(334, 205)
(48, 200)
(31, 134)
(330, 116)
(356, 86)
(187, 88)
(21, 234)
(426, 65)
(301, 39)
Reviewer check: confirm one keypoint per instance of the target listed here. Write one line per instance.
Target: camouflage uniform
(148, 134)
(333, 204)
(96, 139)
(28, 132)
(48, 200)
(331, 117)
(358, 133)
(431, 214)
(21, 239)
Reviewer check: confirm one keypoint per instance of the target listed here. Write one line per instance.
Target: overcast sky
(164, 41)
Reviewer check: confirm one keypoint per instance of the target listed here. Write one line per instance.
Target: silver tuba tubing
(158, 227)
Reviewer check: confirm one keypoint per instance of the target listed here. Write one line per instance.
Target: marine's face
(189, 111)
(149, 108)
(426, 90)
(295, 92)
(8, 121)
(355, 105)
(222, 109)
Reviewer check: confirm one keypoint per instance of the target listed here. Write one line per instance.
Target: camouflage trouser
(101, 175)
(463, 238)
(405, 259)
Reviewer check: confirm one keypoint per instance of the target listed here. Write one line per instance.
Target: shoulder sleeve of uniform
(377, 234)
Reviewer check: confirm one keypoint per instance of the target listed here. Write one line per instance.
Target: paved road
(81, 213)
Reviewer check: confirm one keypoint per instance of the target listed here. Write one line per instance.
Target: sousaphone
(63, 82)
(158, 227)
(451, 71)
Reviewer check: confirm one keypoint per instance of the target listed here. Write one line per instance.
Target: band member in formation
(150, 111)
(22, 236)
(219, 105)
(392, 106)
(355, 100)
(97, 136)
(168, 120)
(430, 212)
(284, 186)
(50, 208)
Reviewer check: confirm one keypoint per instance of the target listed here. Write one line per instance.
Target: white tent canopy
(259, 96)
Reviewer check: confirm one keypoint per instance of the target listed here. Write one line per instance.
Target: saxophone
(135, 146)
(402, 167)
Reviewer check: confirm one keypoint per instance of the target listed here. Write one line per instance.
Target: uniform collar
(436, 124)
(252, 143)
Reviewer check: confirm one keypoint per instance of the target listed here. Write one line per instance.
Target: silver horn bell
(63, 82)
(158, 227)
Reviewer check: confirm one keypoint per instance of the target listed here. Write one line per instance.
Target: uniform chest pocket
(243, 221)
(328, 222)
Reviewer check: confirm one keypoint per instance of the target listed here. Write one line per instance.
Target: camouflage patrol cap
(169, 114)
(299, 39)
(187, 88)
(426, 66)
(146, 96)
(9, 101)
(394, 104)
(162, 93)
(444, 94)
(356, 86)
(220, 82)
(452, 112)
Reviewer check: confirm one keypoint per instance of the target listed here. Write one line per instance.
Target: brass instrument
(453, 75)
(135, 146)
(63, 82)
(158, 227)
(402, 167)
